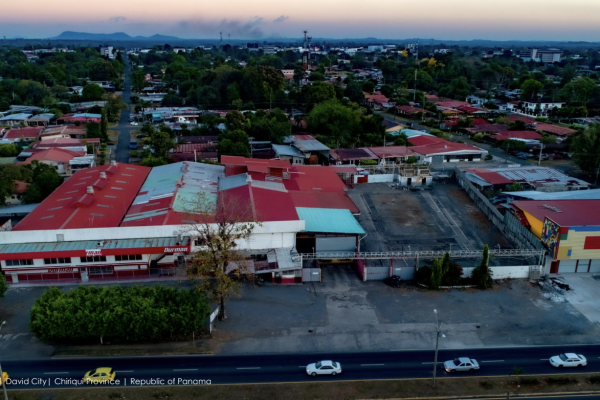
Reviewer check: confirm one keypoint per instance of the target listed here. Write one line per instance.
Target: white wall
(265, 235)
(519, 271)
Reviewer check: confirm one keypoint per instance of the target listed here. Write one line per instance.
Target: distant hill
(114, 37)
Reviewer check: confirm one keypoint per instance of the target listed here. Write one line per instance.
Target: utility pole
(416, 69)
(438, 333)
(541, 148)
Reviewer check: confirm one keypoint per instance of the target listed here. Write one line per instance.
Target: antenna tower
(221, 35)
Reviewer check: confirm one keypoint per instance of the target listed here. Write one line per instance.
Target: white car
(134, 123)
(568, 360)
(326, 367)
(461, 364)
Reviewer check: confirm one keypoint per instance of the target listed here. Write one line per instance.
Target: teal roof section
(329, 220)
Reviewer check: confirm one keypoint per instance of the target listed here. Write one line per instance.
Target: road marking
(54, 373)
(189, 369)
(251, 368)
(123, 371)
(370, 365)
(494, 361)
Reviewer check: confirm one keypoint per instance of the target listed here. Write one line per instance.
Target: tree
(316, 93)
(458, 88)
(234, 143)
(93, 130)
(580, 91)
(585, 149)
(436, 274)
(92, 92)
(161, 143)
(548, 139)
(481, 274)
(334, 121)
(219, 228)
(3, 286)
(530, 88)
(354, 92)
(368, 86)
(104, 125)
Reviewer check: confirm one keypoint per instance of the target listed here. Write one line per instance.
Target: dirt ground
(388, 389)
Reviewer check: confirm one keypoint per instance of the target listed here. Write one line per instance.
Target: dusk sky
(265, 19)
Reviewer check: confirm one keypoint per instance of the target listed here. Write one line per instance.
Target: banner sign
(92, 253)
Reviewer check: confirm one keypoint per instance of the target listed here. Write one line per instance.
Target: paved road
(66, 372)
(124, 128)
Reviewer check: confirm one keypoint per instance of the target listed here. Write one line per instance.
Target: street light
(1, 373)
(438, 333)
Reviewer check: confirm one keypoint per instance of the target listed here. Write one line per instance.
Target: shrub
(489, 157)
(368, 162)
(129, 314)
(134, 153)
(423, 276)
(594, 379)
(529, 381)
(486, 384)
(560, 380)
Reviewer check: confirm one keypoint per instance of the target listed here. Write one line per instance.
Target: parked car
(568, 360)
(325, 367)
(522, 156)
(99, 375)
(461, 364)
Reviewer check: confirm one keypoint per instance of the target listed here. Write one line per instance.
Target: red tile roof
(452, 103)
(431, 145)
(468, 109)
(527, 120)
(480, 121)
(571, 212)
(411, 109)
(21, 187)
(32, 132)
(554, 129)
(527, 135)
(71, 207)
(55, 154)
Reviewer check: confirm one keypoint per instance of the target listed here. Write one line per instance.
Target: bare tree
(218, 227)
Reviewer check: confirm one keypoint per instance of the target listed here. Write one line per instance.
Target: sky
(569, 20)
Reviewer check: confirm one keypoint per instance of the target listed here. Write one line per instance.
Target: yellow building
(570, 230)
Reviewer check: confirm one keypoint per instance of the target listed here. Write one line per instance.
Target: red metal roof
(480, 121)
(323, 200)
(71, 207)
(392, 151)
(493, 178)
(426, 145)
(527, 120)
(565, 213)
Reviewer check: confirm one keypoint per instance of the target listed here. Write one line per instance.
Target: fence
(512, 229)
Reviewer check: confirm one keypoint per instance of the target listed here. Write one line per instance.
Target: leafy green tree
(482, 274)
(354, 92)
(436, 274)
(510, 145)
(153, 161)
(161, 143)
(334, 121)
(93, 130)
(104, 125)
(3, 286)
(580, 91)
(234, 143)
(316, 93)
(10, 150)
(458, 88)
(530, 88)
(368, 86)
(92, 92)
(585, 149)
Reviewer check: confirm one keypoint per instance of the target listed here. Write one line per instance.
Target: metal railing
(428, 254)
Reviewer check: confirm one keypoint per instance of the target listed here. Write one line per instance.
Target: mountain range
(117, 36)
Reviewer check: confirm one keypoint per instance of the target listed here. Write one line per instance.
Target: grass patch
(486, 385)
(561, 380)
(529, 381)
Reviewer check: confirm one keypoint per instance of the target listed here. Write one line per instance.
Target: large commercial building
(122, 221)
(570, 230)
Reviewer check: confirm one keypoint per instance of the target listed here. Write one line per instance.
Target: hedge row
(115, 313)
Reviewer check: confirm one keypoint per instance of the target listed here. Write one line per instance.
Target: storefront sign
(64, 269)
(176, 249)
(92, 253)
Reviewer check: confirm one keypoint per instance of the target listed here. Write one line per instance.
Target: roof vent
(178, 182)
(113, 163)
(102, 175)
(248, 178)
(90, 190)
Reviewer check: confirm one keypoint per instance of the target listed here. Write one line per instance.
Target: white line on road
(189, 369)
(249, 368)
(124, 371)
(370, 365)
(54, 373)
(494, 361)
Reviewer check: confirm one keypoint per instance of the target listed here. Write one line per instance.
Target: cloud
(281, 18)
(117, 19)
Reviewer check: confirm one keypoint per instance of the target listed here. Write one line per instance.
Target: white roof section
(591, 194)
(536, 174)
(285, 150)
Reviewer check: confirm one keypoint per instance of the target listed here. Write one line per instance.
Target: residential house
(314, 151)
(30, 134)
(66, 162)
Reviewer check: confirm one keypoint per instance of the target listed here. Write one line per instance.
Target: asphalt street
(181, 370)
